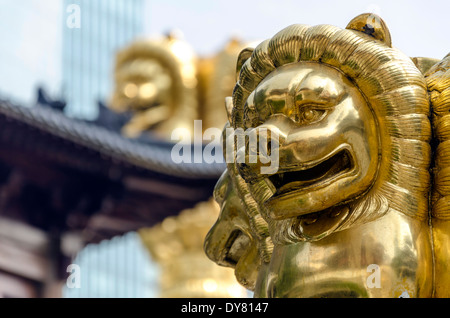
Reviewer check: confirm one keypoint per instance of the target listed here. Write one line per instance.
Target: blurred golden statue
(176, 245)
(348, 209)
(217, 77)
(165, 85)
(156, 80)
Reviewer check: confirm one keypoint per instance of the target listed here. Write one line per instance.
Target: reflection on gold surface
(177, 246)
(348, 208)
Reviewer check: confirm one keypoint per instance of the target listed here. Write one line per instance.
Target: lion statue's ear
(372, 25)
(243, 56)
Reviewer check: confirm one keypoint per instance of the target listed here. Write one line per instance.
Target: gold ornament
(348, 210)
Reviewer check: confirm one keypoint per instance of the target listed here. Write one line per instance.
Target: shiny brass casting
(351, 211)
(438, 80)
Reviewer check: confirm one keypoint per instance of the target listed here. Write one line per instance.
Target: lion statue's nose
(258, 153)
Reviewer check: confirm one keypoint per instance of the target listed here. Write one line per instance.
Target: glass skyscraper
(89, 49)
(42, 46)
(120, 267)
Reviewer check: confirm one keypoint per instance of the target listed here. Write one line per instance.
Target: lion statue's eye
(309, 115)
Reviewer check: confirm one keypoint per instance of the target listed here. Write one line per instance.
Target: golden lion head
(351, 113)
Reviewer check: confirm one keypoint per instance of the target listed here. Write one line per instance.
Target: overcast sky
(31, 29)
(418, 27)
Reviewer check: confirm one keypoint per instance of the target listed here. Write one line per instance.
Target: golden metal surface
(438, 80)
(348, 209)
(240, 237)
(176, 245)
(424, 63)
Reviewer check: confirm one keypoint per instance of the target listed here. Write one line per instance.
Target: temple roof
(62, 173)
(153, 155)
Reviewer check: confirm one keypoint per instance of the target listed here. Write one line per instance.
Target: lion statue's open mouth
(328, 145)
(303, 179)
